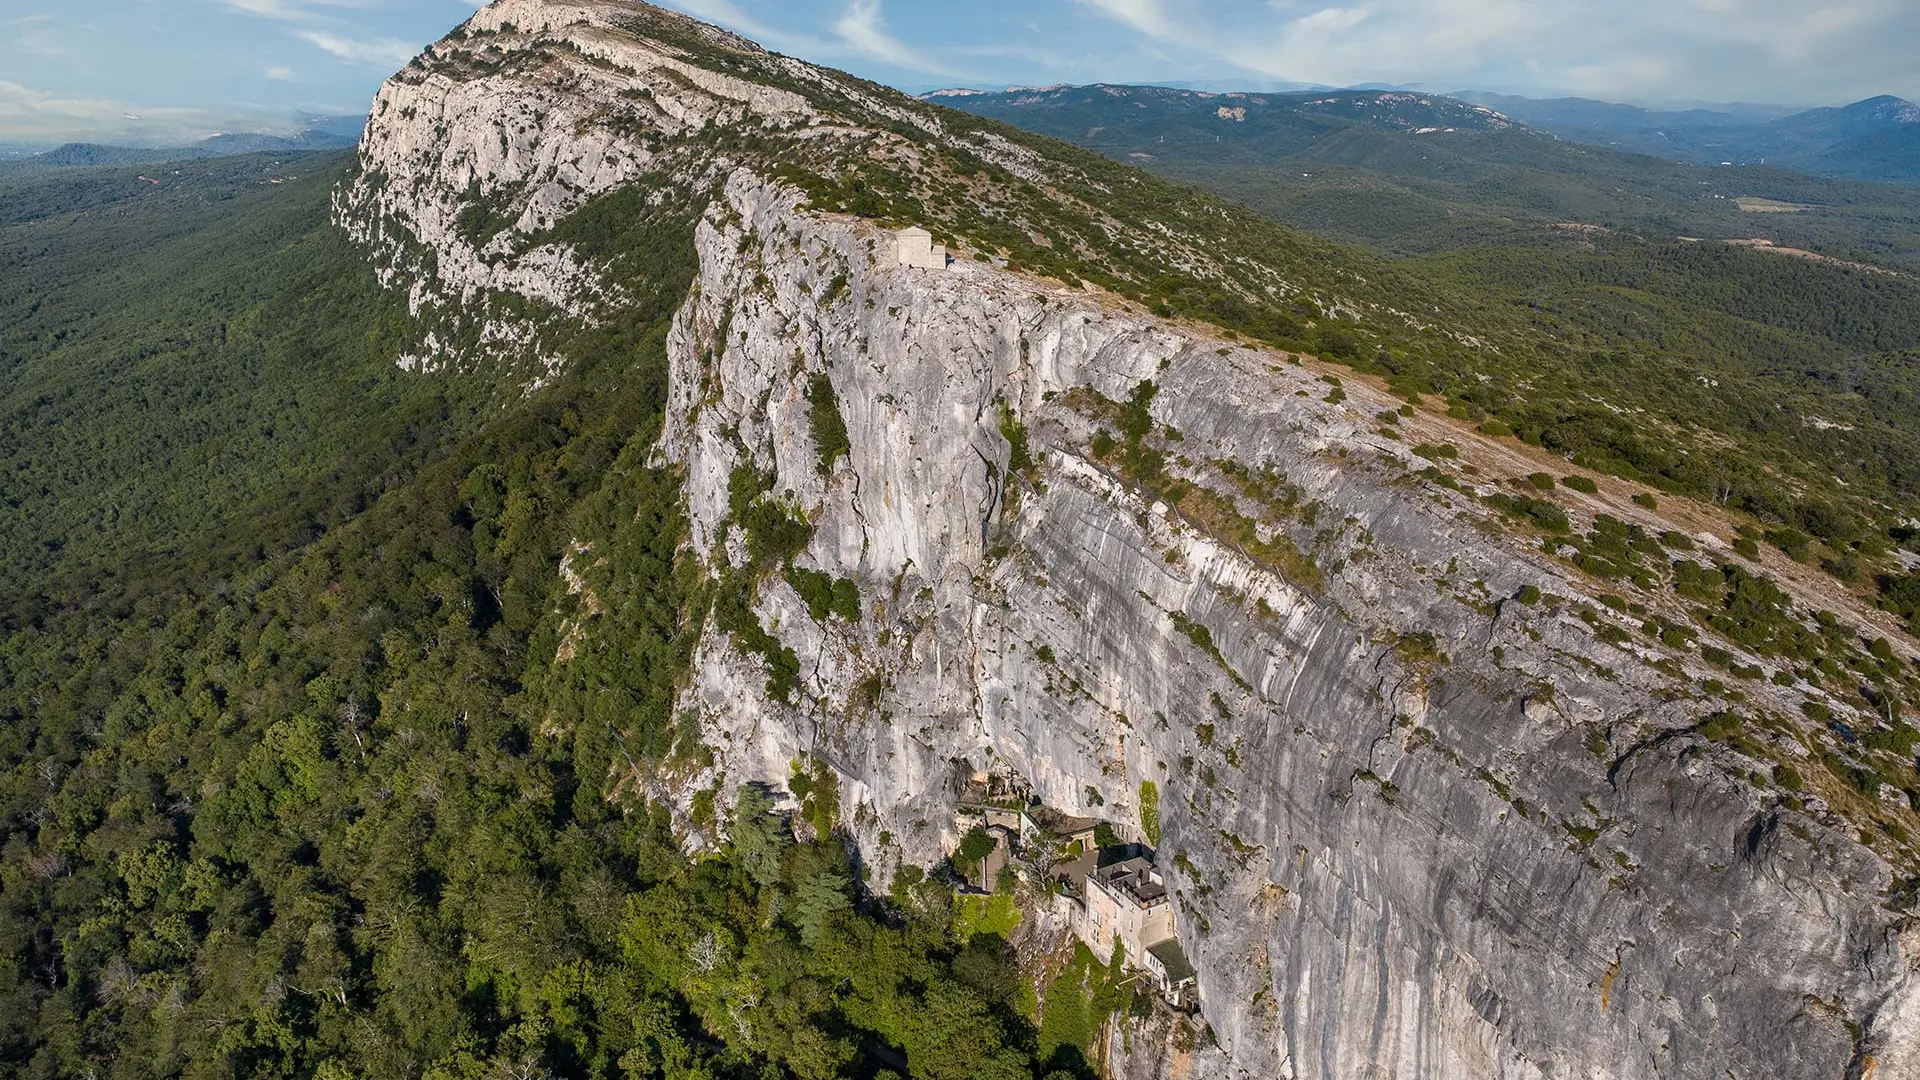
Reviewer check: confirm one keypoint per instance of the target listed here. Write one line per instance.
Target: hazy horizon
(137, 72)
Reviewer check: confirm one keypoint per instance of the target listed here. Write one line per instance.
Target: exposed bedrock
(1415, 827)
(1501, 856)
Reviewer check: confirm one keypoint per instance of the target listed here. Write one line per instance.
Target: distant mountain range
(1875, 139)
(1419, 174)
(322, 133)
(1265, 126)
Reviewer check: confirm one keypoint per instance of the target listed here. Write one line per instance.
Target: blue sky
(166, 70)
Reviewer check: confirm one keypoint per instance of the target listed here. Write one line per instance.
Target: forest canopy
(312, 790)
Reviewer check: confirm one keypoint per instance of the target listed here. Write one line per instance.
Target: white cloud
(724, 13)
(1146, 16)
(1633, 49)
(862, 29)
(1334, 19)
(380, 52)
(45, 37)
(279, 73)
(28, 115)
(284, 10)
(300, 11)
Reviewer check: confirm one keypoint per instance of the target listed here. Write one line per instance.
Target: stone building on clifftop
(918, 249)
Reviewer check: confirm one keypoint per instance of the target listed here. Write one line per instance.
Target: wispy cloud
(863, 30)
(859, 31)
(728, 14)
(29, 115)
(283, 10)
(46, 37)
(1147, 16)
(1635, 48)
(279, 73)
(318, 23)
(300, 11)
(380, 52)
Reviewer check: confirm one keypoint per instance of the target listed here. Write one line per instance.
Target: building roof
(1173, 960)
(1059, 824)
(1134, 878)
(914, 231)
(1074, 871)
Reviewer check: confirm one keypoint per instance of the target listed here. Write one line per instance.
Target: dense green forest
(315, 791)
(191, 365)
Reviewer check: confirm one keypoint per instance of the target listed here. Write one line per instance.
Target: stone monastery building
(1126, 903)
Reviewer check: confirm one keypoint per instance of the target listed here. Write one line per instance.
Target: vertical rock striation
(1418, 866)
(1415, 827)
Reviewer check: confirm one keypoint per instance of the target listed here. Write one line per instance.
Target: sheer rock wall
(1387, 883)
(1415, 828)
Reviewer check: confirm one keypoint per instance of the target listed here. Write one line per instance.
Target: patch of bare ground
(1755, 205)
(1758, 244)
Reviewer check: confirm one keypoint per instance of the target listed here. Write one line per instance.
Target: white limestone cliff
(1432, 832)
(1362, 899)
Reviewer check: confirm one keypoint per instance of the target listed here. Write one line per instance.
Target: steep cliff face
(1479, 859)
(1421, 818)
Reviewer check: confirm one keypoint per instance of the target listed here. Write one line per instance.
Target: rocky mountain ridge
(1439, 808)
(1313, 112)
(1872, 139)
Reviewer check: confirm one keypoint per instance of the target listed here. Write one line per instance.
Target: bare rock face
(1415, 826)
(1390, 863)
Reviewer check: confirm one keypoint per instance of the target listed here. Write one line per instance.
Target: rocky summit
(1061, 511)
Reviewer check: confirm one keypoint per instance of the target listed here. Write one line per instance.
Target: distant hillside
(1152, 121)
(1415, 173)
(1875, 139)
(330, 135)
(221, 145)
(86, 155)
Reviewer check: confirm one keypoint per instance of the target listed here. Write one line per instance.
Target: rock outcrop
(1423, 815)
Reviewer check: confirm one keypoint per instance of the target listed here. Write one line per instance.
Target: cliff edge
(1435, 798)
